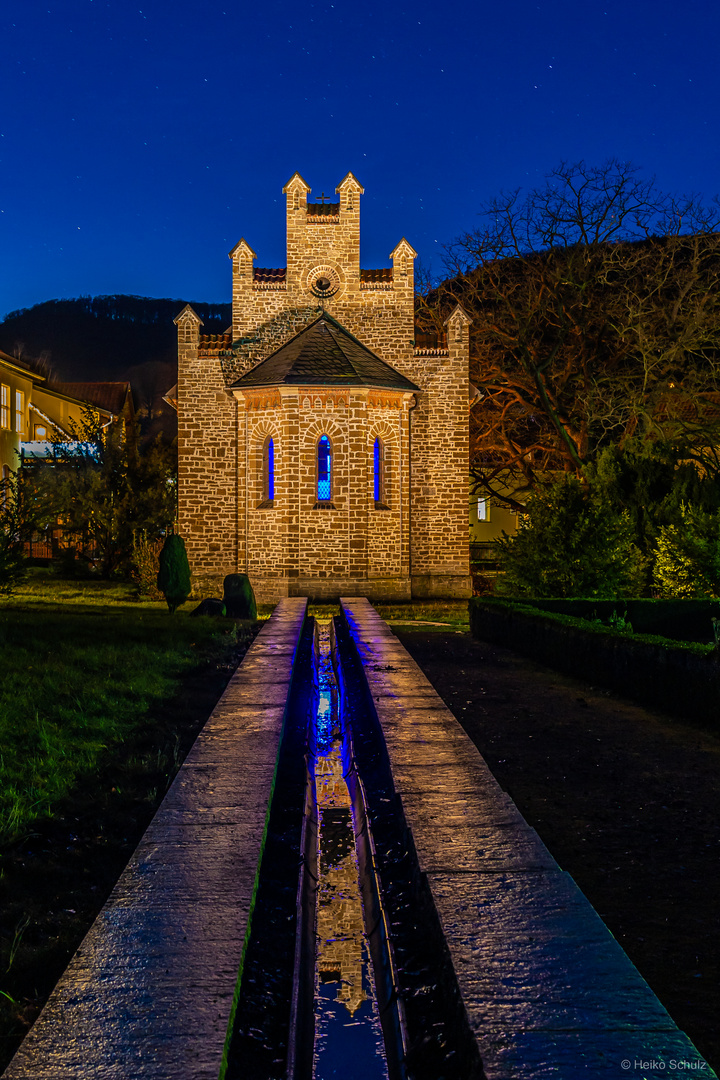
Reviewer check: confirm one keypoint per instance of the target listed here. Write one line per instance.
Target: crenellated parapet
(323, 249)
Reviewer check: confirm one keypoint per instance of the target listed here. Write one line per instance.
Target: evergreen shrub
(173, 578)
(571, 542)
(687, 559)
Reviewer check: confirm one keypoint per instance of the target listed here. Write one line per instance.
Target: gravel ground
(626, 800)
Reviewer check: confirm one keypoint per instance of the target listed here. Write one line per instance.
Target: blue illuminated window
(324, 469)
(378, 469)
(268, 470)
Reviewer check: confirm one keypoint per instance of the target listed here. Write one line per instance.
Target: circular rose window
(323, 282)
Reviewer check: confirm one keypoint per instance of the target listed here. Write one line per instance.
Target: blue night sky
(139, 140)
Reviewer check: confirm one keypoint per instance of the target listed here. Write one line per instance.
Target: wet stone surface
(547, 989)
(149, 992)
(437, 1040)
(348, 1037)
(260, 1038)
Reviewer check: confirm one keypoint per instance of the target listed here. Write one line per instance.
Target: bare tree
(149, 382)
(596, 319)
(41, 362)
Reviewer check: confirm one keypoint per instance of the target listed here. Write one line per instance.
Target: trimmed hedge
(682, 678)
(681, 620)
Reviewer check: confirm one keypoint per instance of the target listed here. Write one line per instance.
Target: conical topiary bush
(173, 578)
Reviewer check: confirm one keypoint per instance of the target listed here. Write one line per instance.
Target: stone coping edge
(547, 988)
(150, 992)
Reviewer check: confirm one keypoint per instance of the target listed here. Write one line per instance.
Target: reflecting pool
(348, 1036)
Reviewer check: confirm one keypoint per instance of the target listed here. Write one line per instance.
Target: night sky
(139, 140)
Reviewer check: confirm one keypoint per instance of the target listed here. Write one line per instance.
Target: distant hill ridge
(102, 337)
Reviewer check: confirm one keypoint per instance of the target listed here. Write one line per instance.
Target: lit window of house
(19, 411)
(4, 406)
(324, 469)
(483, 510)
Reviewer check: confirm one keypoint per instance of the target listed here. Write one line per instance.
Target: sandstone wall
(299, 546)
(296, 547)
(209, 470)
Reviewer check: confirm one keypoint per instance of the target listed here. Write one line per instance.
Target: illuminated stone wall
(418, 544)
(208, 475)
(295, 546)
(440, 467)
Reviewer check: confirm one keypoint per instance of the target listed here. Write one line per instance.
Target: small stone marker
(239, 597)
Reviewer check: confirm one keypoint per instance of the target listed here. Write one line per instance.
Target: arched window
(379, 471)
(268, 470)
(324, 469)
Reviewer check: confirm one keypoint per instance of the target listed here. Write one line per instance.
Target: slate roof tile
(324, 354)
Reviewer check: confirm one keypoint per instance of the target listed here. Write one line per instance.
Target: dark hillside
(103, 337)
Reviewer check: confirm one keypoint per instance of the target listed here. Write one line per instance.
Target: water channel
(348, 1035)
(345, 974)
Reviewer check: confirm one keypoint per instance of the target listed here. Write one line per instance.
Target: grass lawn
(83, 662)
(82, 666)
(101, 697)
(431, 614)
(427, 615)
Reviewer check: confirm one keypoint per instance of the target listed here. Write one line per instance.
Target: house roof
(218, 342)
(324, 354)
(383, 274)
(21, 366)
(109, 396)
(276, 275)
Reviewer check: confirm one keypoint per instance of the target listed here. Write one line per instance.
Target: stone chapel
(322, 451)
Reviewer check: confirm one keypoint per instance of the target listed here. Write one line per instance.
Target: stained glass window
(378, 462)
(269, 470)
(324, 469)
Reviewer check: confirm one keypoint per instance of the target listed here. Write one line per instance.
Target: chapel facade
(321, 451)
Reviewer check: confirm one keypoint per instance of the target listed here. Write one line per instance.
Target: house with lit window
(322, 446)
(57, 408)
(17, 382)
(34, 413)
(489, 520)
